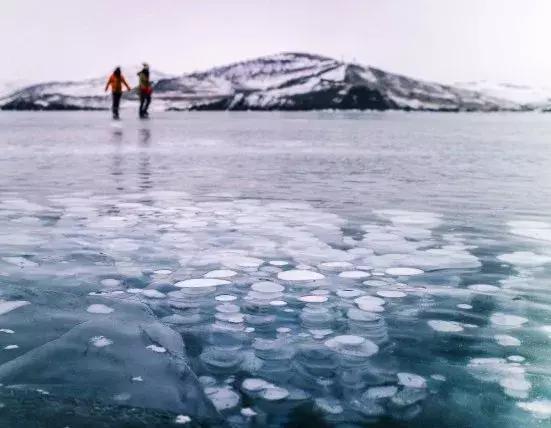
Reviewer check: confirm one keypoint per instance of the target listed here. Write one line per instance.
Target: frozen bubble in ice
(516, 358)
(329, 405)
(297, 394)
(368, 408)
(320, 333)
(403, 271)
(352, 345)
(335, 266)
(137, 379)
(391, 293)
(110, 282)
(464, 306)
(274, 393)
(11, 347)
(438, 377)
(6, 330)
(283, 330)
(345, 340)
(370, 303)
(221, 273)
(506, 340)
(411, 380)
(233, 318)
(445, 326)
(227, 308)
(207, 380)
(349, 293)
(361, 315)
(354, 274)
(216, 358)
(487, 363)
(123, 396)
(524, 259)
(223, 398)
(377, 273)
(225, 298)
(370, 307)
(320, 292)
(278, 303)
(507, 320)
(516, 383)
(375, 283)
(299, 275)
(8, 306)
(279, 263)
(241, 261)
(155, 348)
(267, 287)
(134, 290)
(153, 294)
(303, 266)
(483, 288)
(313, 299)
(248, 412)
(378, 392)
(539, 408)
(255, 384)
(182, 419)
(408, 397)
(98, 308)
(162, 272)
(201, 283)
(369, 299)
(100, 341)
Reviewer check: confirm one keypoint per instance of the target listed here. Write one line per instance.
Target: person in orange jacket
(116, 81)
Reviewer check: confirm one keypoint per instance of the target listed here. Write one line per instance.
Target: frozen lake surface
(282, 270)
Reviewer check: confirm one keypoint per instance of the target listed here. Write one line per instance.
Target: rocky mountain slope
(288, 81)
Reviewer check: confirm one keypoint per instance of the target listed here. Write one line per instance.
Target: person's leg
(146, 106)
(142, 102)
(116, 104)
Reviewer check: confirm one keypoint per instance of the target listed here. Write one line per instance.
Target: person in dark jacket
(145, 90)
(116, 81)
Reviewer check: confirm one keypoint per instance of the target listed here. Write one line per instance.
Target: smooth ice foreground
(299, 291)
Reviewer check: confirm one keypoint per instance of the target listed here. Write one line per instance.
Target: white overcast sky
(441, 40)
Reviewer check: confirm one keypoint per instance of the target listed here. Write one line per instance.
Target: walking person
(145, 90)
(116, 81)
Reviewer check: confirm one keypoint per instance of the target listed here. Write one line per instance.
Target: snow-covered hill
(531, 96)
(287, 81)
(8, 87)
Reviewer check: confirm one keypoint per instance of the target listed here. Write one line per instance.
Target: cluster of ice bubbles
(277, 306)
(299, 337)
